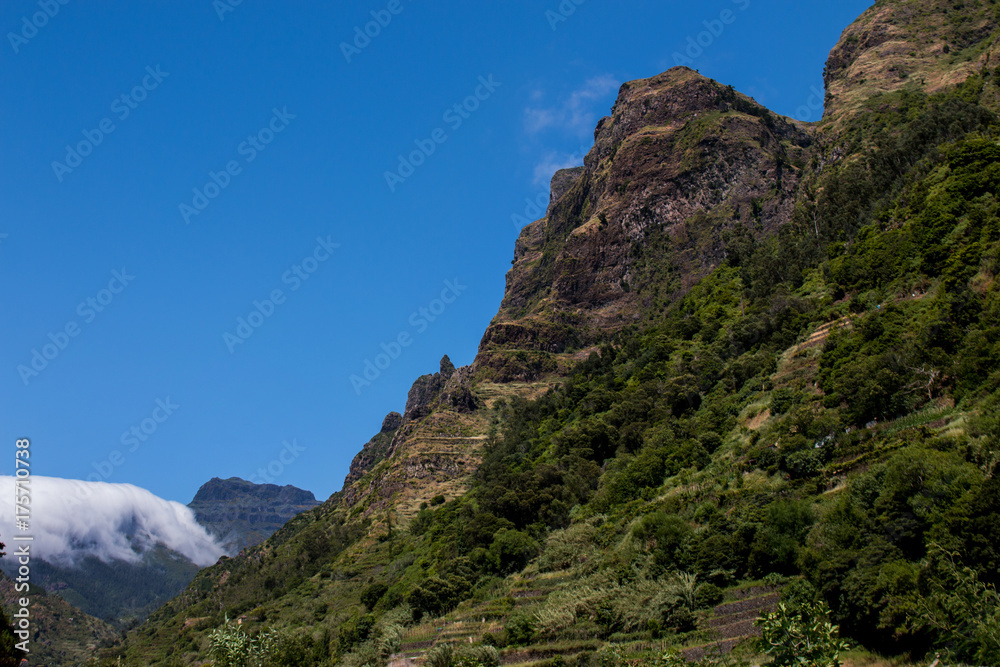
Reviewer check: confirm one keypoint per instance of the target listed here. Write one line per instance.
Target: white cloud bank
(73, 519)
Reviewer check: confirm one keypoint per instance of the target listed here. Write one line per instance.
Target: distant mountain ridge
(242, 514)
(106, 594)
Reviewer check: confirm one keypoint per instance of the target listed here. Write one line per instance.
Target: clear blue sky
(157, 332)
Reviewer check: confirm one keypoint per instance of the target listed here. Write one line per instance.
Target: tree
(10, 655)
(512, 550)
(963, 611)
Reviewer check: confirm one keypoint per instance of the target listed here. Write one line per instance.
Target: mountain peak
(241, 514)
(235, 487)
(681, 161)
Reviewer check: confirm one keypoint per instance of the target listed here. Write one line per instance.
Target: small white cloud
(575, 114)
(71, 519)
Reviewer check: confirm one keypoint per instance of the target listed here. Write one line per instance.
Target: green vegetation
(802, 636)
(232, 647)
(816, 419)
(10, 655)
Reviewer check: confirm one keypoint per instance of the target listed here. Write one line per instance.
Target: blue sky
(211, 155)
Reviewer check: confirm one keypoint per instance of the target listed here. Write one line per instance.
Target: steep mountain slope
(118, 592)
(681, 161)
(242, 514)
(740, 358)
(64, 635)
(928, 44)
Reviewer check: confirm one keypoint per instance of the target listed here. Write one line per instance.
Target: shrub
(962, 611)
(372, 593)
(520, 630)
(803, 637)
(781, 400)
(232, 646)
(512, 550)
(708, 595)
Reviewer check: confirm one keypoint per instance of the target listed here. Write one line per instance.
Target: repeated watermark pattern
(22, 518)
(534, 209)
(714, 28)
(290, 452)
(122, 107)
(363, 35)
(420, 320)
(249, 149)
(454, 117)
(561, 14)
(132, 440)
(294, 277)
(87, 310)
(31, 25)
(815, 103)
(223, 7)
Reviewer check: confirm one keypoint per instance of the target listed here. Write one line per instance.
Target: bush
(436, 596)
(9, 654)
(520, 630)
(781, 400)
(666, 536)
(708, 595)
(512, 550)
(804, 464)
(962, 611)
(232, 646)
(802, 637)
(372, 593)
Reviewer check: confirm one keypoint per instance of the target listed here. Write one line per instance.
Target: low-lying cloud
(73, 519)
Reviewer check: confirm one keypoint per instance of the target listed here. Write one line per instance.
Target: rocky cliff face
(375, 450)
(681, 160)
(430, 444)
(242, 514)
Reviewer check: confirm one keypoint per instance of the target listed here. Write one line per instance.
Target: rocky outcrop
(562, 181)
(422, 394)
(427, 389)
(681, 160)
(392, 421)
(375, 450)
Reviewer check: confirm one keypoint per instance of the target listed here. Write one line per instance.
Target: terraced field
(719, 629)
